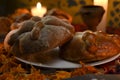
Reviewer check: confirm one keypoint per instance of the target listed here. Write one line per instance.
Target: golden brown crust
(90, 47)
(60, 14)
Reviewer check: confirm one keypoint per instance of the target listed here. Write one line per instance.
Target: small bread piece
(60, 14)
(5, 23)
(90, 46)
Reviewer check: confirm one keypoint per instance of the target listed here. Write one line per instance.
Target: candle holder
(92, 15)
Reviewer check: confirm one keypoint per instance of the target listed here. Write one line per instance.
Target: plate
(51, 60)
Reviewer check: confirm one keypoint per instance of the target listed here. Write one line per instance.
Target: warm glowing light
(39, 10)
(104, 4)
(39, 5)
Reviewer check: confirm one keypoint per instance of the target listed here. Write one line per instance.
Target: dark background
(9, 6)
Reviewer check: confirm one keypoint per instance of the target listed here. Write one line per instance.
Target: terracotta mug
(92, 15)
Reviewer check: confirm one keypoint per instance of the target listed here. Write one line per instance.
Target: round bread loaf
(38, 36)
(90, 46)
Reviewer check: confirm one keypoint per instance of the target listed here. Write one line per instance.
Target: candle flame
(103, 3)
(39, 5)
(38, 10)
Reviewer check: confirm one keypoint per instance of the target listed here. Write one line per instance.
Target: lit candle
(102, 24)
(39, 10)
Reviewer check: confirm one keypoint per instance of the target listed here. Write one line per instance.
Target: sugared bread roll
(90, 46)
(38, 36)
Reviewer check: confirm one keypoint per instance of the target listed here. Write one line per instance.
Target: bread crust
(90, 46)
(41, 37)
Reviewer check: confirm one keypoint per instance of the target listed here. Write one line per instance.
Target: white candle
(39, 10)
(102, 24)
